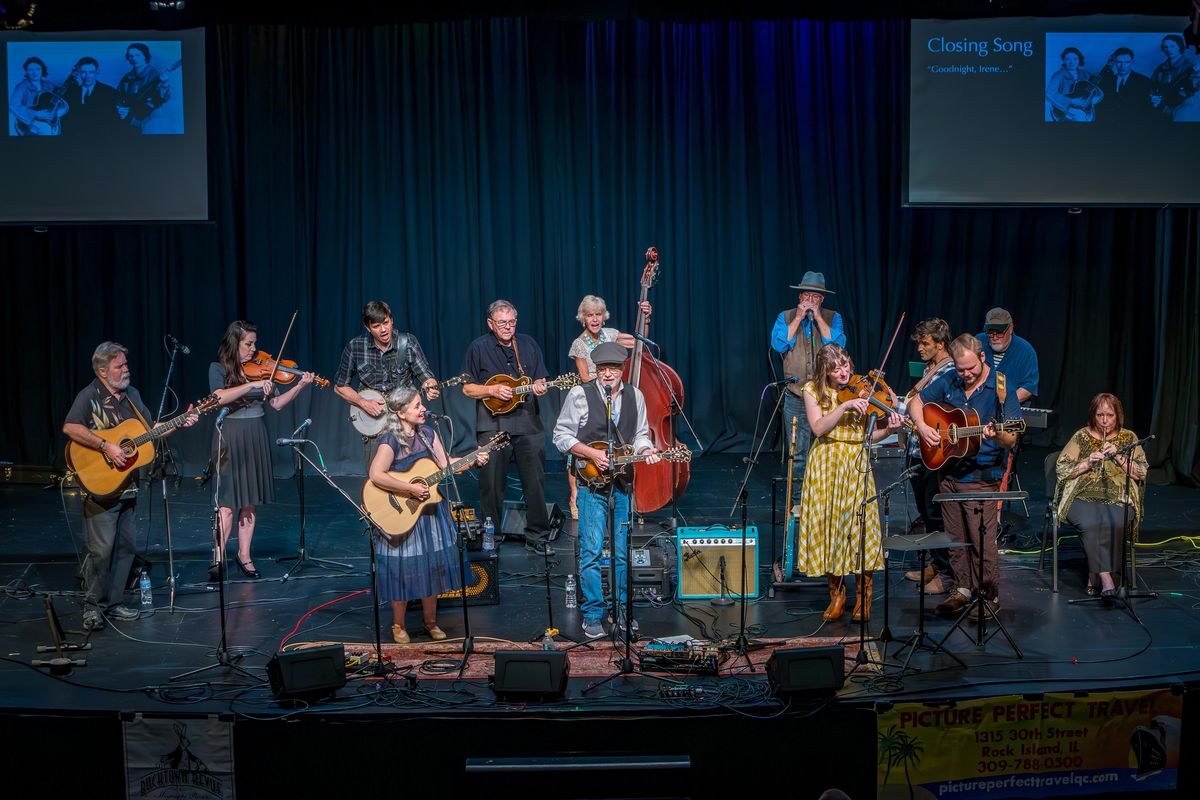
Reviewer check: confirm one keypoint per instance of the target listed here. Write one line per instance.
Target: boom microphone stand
(468, 638)
(302, 558)
(224, 658)
(1123, 594)
(165, 461)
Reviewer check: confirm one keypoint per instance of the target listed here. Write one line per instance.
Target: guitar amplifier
(483, 581)
(651, 575)
(698, 553)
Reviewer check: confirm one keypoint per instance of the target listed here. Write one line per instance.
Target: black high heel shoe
(249, 573)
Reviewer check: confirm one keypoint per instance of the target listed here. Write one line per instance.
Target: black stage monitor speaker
(513, 521)
(807, 670)
(531, 672)
(309, 673)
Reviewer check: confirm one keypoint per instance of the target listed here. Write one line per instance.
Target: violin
(881, 401)
(263, 366)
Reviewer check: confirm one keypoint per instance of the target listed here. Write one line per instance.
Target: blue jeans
(593, 524)
(793, 406)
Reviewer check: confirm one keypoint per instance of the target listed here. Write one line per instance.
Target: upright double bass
(655, 485)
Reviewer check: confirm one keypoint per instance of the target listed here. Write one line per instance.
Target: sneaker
(122, 613)
(92, 620)
(539, 548)
(593, 629)
(952, 606)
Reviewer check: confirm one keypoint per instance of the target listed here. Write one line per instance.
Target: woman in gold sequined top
(1091, 484)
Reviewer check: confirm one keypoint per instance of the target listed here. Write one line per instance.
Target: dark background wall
(440, 165)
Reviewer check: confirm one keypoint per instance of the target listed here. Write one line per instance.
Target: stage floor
(1064, 645)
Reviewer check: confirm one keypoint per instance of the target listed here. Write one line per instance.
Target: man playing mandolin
(504, 352)
(110, 525)
(973, 385)
(582, 422)
(382, 359)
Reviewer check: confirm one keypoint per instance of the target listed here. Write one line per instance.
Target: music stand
(921, 544)
(978, 604)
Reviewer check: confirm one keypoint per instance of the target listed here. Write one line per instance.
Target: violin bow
(287, 333)
(888, 351)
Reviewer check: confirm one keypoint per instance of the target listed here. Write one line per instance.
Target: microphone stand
(163, 458)
(224, 658)
(302, 558)
(626, 664)
(676, 411)
(468, 638)
(369, 525)
(1123, 594)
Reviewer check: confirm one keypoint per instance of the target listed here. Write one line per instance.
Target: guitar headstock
(566, 381)
(651, 270)
(498, 441)
(457, 380)
(1013, 426)
(210, 403)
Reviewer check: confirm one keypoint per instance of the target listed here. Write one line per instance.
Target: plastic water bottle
(145, 590)
(489, 534)
(572, 598)
(548, 641)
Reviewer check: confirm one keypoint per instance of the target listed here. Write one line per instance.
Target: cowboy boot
(837, 598)
(862, 604)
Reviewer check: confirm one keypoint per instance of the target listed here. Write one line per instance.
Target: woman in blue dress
(425, 563)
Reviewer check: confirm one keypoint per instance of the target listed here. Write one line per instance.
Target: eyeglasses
(613, 368)
(999, 334)
(505, 323)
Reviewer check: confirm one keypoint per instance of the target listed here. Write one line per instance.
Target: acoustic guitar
(959, 430)
(99, 476)
(521, 387)
(368, 425)
(397, 515)
(586, 471)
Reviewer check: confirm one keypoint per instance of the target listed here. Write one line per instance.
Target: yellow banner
(1013, 746)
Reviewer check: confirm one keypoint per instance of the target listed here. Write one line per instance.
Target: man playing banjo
(380, 360)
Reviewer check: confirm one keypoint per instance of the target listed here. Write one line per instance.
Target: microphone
(221, 417)
(785, 381)
(808, 315)
(303, 427)
(646, 340)
(429, 415)
(187, 351)
(290, 442)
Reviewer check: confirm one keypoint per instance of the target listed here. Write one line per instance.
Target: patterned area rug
(593, 659)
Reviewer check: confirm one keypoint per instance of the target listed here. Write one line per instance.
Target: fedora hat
(812, 282)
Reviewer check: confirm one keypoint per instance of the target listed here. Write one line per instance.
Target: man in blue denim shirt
(976, 386)
(1003, 348)
(797, 335)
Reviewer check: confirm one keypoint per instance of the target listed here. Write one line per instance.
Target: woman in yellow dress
(836, 480)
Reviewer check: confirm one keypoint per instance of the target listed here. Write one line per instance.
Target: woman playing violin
(835, 480)
(244, 461)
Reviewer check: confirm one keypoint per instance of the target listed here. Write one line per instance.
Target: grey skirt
(244, 464)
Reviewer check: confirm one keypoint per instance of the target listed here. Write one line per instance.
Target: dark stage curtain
(439, 166)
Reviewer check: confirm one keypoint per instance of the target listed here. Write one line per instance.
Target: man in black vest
(582, 422)
(382, 359)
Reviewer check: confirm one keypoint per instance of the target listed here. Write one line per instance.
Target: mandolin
(99, 476)
(397, 515)
(587, 472)
(520, 387)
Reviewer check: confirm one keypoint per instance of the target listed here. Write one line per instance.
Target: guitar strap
(517, 355)
(1001, 389)
(1001, 394)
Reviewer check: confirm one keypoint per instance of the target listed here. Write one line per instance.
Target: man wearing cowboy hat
(798, 334)
(583, 420)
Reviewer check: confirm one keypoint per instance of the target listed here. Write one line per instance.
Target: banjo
(368, 425)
